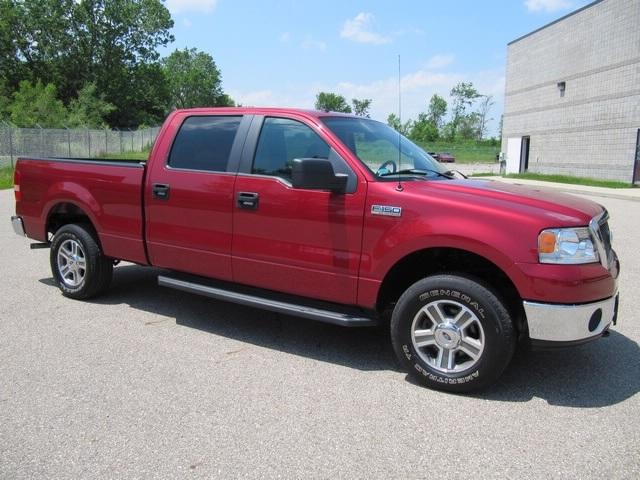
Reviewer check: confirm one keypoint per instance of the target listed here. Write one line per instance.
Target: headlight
(566, 246)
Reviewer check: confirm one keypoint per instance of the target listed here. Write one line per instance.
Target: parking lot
(147, 382)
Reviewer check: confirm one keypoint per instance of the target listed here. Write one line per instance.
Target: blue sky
(282, 52)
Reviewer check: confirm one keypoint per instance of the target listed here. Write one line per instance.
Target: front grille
(605, 235)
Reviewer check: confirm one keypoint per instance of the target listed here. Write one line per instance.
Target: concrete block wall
(592, 129)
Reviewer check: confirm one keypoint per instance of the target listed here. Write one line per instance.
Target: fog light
(595, 320)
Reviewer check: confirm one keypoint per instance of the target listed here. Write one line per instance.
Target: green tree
(448, 131)
(120, 39)
(10, 63)
(226, 101)
(437, 110)
(89, 110)
(332, 102)
(4, 108)
(194, 80)
(423, 129)
(463, 96)
(112, 43)
(35, 39)
(148, 98)
(394, 122)
(484, 108)
(37, 105)
(361, 107)
(469, 126)
(5, 101)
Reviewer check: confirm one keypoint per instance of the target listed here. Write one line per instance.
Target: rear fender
(75, 194)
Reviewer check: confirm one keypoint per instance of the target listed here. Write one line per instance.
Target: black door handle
(247, 200)
(160, 191)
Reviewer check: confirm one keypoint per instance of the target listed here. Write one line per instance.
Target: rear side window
(204, 143)
(282, 140)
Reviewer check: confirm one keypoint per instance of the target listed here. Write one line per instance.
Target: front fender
(388, 243)
(424, 242)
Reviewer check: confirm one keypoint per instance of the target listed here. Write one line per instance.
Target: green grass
(465, 152)
(6, 177)
(591, 182)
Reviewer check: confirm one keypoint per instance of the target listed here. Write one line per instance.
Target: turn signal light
(546, 242)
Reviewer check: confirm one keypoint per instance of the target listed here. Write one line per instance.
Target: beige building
(572, 98)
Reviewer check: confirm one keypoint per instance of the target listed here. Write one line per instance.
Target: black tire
(89, 272)
(478, 352)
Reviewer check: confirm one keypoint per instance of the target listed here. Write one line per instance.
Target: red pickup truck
(339, 219)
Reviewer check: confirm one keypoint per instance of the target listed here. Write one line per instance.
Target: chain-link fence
(73, 143)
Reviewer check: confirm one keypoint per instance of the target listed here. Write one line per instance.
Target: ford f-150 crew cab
(335, 218)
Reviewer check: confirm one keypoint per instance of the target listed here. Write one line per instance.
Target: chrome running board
(313, 313)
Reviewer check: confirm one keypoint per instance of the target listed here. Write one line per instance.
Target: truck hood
(562, 207)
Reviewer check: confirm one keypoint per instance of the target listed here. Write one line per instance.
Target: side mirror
(317, 174)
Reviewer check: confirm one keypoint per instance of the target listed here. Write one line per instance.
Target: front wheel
(77, 263)
(452, 333)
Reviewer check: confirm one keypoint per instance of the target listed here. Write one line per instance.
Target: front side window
(281, 141)
(204, 143)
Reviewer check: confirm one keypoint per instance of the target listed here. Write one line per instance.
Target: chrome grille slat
(599, 226)
(606, 238)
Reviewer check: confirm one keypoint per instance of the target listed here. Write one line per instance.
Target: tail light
(16, 185)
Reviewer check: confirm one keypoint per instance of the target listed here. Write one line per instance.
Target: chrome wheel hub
(72, 264)
(447, 336)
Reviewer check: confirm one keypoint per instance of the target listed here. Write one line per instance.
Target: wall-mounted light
(562, 86)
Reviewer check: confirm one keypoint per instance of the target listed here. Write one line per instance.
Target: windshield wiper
(451, 172)
(417, 171)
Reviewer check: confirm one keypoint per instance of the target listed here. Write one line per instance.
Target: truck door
(189, 195)
(303, 242)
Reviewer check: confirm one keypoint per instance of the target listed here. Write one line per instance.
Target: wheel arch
(437, 260)
(66, 212)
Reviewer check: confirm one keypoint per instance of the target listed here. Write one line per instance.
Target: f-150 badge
(386, 210)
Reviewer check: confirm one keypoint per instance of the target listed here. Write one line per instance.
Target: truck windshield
(383, 150)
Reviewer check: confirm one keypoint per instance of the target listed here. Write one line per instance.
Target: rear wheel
(77, 263)
(452, 333)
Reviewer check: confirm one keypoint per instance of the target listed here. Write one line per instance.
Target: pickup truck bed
(52, 188)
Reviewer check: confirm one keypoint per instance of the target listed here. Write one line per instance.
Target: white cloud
(417, 88)
(310, 44)
(205, 6)
(258, 98)
(439, 61)
(359, 29)
(285, 37)
(547, 5)
(409, 31)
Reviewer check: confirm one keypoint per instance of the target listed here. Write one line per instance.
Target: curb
(633, 195)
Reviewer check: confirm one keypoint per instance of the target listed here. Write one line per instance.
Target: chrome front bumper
(18, 226)
(550, 323)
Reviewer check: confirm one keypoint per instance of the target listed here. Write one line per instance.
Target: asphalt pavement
(146, 382)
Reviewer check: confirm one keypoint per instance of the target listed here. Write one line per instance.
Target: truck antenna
(399, 187)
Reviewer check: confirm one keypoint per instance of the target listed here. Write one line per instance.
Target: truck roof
(264, 110)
